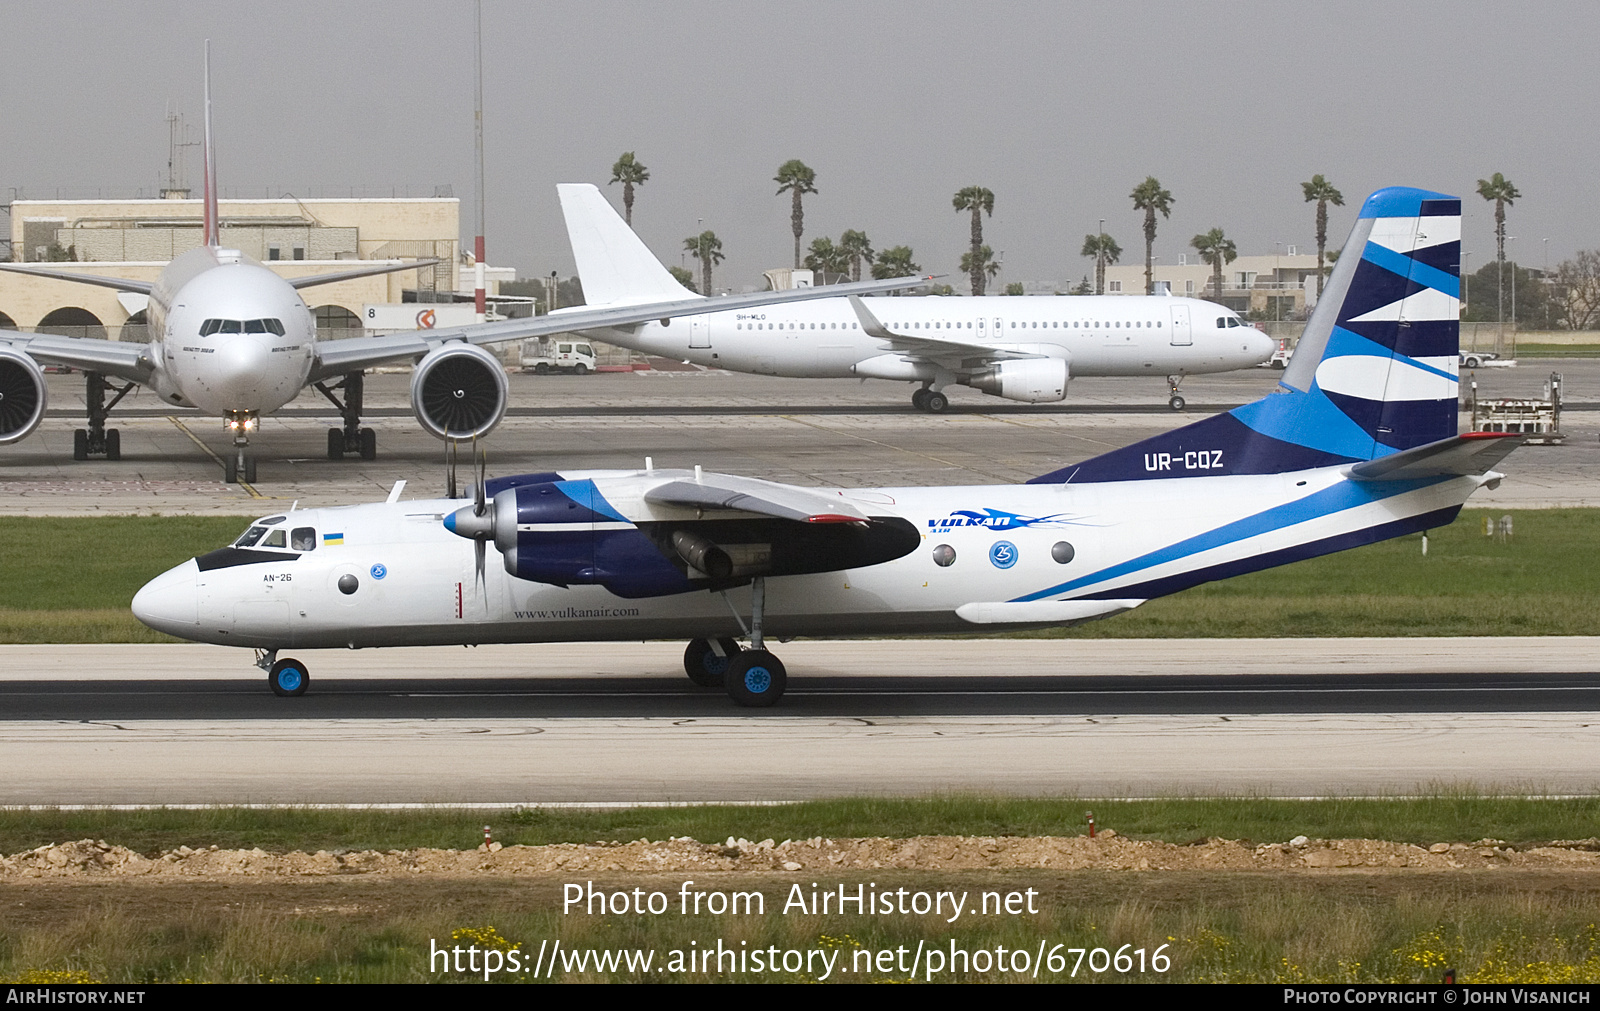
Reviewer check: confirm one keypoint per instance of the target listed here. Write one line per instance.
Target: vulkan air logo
(997, 519)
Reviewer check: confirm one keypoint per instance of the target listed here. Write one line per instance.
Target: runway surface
(607, 723)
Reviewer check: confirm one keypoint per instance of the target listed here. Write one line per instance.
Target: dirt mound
(87, 858)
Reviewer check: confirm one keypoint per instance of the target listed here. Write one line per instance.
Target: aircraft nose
(1259, 347)
(170, 602)
(240, 366)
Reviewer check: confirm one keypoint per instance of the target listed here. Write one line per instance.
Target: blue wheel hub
(717, 665)
(290, 678)
(757, 680)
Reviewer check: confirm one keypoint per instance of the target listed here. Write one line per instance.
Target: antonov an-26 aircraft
(235, 340)
(1023, 349)
(1357, 445)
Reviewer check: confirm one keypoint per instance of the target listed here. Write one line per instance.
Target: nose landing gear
(241, 466)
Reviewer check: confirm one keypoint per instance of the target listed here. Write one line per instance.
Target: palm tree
(981, 265)
(1322, 191)
(979, 201)
(826, 258)
(1149, 197)
(1215, 249)
(1499, 189)
(858, 248)
(794, 176)
(629, 173)
(1103, 249)
(706, 248)
(895, 262)
(683, 277)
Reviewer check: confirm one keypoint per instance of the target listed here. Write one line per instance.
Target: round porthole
(944, 556)
(348, 584)
(1062, 552)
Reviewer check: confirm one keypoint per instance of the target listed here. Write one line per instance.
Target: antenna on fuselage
(209, 165)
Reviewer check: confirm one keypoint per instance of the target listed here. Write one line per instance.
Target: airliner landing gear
(352, 438)
(756, 678)
(706, 661)
(932, 401)
(241, 466)
(1177, 402)
(285, 677)
(97, 439)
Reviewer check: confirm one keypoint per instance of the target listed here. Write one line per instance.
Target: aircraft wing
(958, 356)
(751, 495)
(119, 283)
(350, 353)
(124, 359)
(346, 275)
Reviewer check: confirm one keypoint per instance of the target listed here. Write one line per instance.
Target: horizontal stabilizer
(119, 283)
(766, 498)
(1472, 453)
(350, 275)
(1042, 612)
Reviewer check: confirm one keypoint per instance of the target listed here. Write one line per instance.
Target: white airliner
(235, 340)
(1357, 445)
(1021, 349)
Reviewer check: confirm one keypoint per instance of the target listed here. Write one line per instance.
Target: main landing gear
(97, 439)
(930, 400)
(1177, 402)
(352, 438)
(752, 677)
(286, 677)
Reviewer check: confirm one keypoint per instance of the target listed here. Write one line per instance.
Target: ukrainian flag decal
(333, 538)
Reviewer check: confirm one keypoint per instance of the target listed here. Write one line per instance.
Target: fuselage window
(303, 539)
(274, 539)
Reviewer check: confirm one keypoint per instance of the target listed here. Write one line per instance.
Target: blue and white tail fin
(1374, 372)
(614, 265)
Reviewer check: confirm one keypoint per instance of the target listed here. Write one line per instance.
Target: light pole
(1546, 280)
(1100, 259)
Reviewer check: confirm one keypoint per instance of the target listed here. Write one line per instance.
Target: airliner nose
(240, 366)
(170, 602)
(1259, 346)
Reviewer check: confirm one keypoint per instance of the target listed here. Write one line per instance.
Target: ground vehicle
(1474, 359)
(543, 355)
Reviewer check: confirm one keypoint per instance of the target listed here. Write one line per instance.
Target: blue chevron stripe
(1415, 270)
(1342, 496)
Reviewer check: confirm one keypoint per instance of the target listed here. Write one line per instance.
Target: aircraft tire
(919, 398)
(1176, 403)
(369, 444)
(249, 470)
(230, 471)
(113, 444)
(936, 403)
(80, 444)
(756, 679)
(704, 667)
(336, 444)
(288, 677)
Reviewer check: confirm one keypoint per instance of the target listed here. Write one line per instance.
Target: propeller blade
(479, 551)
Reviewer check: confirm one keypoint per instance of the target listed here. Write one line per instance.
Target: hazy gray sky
(1059, 108)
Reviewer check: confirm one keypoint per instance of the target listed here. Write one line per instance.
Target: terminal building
(136, 238)
(1275, 286)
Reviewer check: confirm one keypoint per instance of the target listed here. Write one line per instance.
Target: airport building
(1274, 286)
(136, 238)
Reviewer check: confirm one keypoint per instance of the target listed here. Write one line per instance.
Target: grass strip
(1539, 581)
(1423, 820)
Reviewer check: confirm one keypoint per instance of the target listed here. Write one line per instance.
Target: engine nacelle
(22, 395)
(459, 392)
(1030, 380)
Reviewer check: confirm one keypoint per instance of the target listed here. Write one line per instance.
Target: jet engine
(1030, 380)
(22, 395)
(459, 392)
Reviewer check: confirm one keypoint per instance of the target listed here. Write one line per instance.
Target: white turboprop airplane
(1021, 349)
(1357, 445)
(235, 340)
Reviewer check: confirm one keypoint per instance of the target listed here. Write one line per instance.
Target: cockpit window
(1233, 321)
(271, 520)
(211, 326)
(231, 326)
(249, 537)
(303, 539)
(275, 539)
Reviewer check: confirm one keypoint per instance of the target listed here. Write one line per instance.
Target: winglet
(870, 324)
(213, 226)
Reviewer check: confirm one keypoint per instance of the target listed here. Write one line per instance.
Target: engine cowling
(22, 395)
(459, 392)
(1030, 380)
